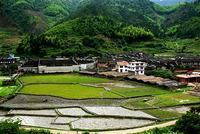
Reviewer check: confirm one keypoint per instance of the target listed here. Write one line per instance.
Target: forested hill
(99, 36)
(184, 22)
(35, 16)
(96, 27)
(140, 13)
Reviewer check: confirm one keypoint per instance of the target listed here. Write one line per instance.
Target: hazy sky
(170, 2)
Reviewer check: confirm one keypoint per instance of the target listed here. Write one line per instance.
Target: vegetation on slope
(9, 37)
(95, 35)
(108, 27)
(184, 21)
(187, 124)
(168, 47)
(140, 13)
(36, 15)
(14, 127)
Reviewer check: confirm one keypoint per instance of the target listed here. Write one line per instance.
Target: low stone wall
(58, 69)
(29, 69)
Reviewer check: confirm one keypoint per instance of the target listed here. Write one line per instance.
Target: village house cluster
(63, 65)
(123, 64)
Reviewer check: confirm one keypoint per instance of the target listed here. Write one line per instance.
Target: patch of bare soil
(182, 110)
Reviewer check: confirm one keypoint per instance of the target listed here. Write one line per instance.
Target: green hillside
(51, 28)
(137, 12)
(84, 36)
(9, 37)
(35, 16)
(184, 21)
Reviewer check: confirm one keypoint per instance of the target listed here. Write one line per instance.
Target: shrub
(164, 73)
(13, 127)
(166, 130)
(189, 123)
(10, 127)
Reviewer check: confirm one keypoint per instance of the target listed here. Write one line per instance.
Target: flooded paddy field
(72, 112)
(48, 112)
(76, 102)
(118, 111)
(44, 122)
(64, 120)
(83, 118)
(108, 123)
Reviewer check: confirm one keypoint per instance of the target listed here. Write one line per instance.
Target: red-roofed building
(189, 78)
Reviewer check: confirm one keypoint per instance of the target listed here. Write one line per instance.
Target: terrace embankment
(22, 101)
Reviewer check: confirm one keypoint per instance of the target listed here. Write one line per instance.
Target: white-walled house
(43, 66)
(122, 67)
(136, 67)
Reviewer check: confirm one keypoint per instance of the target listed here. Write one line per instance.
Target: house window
(121, 70)
(142, 72)
(137, 64)
(137, 67)
(142, 67)
(142, 64)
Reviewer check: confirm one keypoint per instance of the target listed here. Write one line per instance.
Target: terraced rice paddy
(67, 78)
(83, 87)
(76, 102)
(64, 120)
(164, 100)
(44, 122)
(71, 91)
(72, 112)
(117, 111)
(33, 112)
(5, 91)
(108, 123)
(78, 119)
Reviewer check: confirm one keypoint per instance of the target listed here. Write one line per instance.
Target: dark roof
(54, 62)
(7, 61)
(84, 61)
(31, 63)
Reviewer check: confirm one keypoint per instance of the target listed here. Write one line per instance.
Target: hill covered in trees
(97, 27)
(184, 21)
(35, 16)
(97, 35)
(140, 13)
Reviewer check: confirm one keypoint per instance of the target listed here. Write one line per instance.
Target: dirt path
(129, 131)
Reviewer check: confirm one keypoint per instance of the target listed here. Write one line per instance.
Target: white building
(56, 66)
(137, 68)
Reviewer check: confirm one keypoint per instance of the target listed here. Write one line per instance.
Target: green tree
(164, 73)
(189, 123)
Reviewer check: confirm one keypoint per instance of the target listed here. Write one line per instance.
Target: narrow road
(128, 131)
